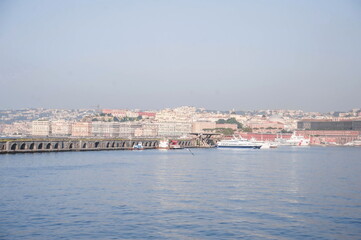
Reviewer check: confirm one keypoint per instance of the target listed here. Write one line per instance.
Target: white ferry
(238, 143)
(265, 144)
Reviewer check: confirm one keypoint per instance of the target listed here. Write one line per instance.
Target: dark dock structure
(30, 145)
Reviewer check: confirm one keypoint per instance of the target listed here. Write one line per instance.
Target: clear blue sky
(154, 54)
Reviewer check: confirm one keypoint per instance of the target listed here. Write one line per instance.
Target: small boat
(175, 145)
(138, 146)
(238, 143)
(163, 144)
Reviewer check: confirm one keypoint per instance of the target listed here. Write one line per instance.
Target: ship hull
(252, 147)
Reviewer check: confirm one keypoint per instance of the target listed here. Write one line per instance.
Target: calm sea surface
(284, 193)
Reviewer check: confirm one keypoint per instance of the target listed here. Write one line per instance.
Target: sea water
(284, 193)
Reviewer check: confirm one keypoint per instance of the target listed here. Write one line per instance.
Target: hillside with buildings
(176, 123)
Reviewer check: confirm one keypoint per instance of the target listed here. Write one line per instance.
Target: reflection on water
(284, 193)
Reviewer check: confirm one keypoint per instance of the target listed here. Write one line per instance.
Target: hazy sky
(154, 54)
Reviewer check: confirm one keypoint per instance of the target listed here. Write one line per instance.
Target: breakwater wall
(70, 144)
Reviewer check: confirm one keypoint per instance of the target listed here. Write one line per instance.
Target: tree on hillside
(221, 121)
(231, 121)
(247, 129)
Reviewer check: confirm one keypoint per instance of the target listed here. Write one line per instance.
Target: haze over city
(156, 54)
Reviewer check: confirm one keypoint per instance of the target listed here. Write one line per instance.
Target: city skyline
(237, 111)
(153, 55)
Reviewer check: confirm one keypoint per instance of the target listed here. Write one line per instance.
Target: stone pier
(25, 145)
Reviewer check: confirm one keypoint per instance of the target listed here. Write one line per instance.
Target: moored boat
(296, 140)
(175, 145)
(138, 146)
(238, 143)
(163, 144)
(265, 144)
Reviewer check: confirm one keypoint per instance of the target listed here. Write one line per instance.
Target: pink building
(265, 126)
(81, 129)
(198, 127)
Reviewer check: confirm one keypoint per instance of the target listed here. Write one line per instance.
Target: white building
(105, 129)
(147, 130)
(127, 129)
(60, 128)
(40, 128)
(174, 129)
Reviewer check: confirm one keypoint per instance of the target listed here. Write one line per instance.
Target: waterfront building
(81, 129)
(105, 129)
(127, 129)
(329, 136)
(174, 129)
(40, 128)
(147, 130)
(329, 124)
(60, 128)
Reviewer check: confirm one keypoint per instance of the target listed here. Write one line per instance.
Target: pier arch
(22, 146)
(14, 146)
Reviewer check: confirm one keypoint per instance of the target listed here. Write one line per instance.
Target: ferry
(265, 144)
(238, 143)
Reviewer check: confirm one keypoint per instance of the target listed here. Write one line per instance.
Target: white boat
(138, 146)
(297, 141)
(354, 143)
(265, 144)
(238, 143)
(175, 145)
(163, 144)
